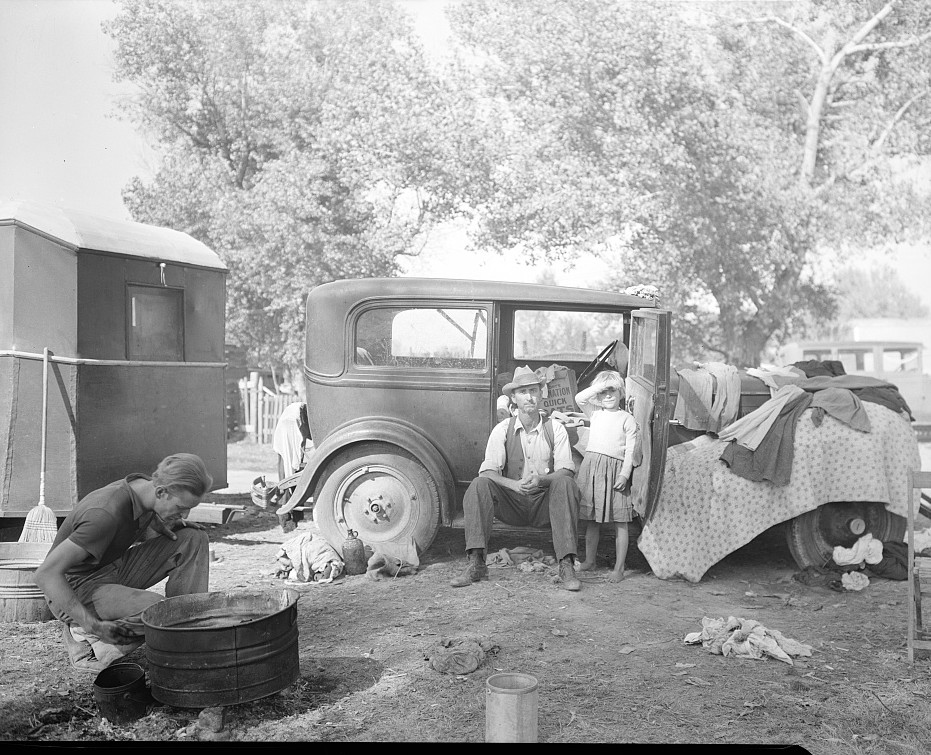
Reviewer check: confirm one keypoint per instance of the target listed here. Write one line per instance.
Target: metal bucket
(20, 596)
(219, 648)
(121, 694)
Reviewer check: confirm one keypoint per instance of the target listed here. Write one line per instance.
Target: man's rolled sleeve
(562, 452)
(495, 456)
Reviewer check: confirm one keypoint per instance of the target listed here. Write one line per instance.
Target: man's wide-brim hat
(523, 376)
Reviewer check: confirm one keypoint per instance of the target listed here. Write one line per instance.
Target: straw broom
(41, 524)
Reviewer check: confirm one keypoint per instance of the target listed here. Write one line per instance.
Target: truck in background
(896, 362)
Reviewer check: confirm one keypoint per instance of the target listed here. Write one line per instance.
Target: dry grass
(247, 455)
(889, 716)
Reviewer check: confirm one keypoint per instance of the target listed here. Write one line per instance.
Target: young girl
(604, 477)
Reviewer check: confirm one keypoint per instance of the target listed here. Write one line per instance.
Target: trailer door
(648, 401)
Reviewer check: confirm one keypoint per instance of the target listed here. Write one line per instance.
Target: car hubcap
(377, 501)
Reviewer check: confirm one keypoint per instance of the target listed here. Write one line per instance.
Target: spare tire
(813, 536)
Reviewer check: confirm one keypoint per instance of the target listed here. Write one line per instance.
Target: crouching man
(525, 479)
(118, 541)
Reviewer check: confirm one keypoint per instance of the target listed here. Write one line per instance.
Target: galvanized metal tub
(221, 648)
(20, 596)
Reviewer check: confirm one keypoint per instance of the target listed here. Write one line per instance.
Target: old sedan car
(403, 376)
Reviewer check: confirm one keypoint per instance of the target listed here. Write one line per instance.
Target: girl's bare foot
(617, 575)
(586, 565)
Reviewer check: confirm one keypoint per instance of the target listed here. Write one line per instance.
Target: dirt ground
(611, 662)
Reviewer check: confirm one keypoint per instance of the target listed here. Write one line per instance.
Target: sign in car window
(447, 338)
(541, 334)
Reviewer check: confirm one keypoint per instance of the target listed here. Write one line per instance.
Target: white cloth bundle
(311, 555)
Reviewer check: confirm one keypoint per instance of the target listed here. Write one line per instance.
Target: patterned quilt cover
(706, 511)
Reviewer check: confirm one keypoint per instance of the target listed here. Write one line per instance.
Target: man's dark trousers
(556, 505)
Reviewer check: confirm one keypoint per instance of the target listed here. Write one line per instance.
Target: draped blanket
(706, 511)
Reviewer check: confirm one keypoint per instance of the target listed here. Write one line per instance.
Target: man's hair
(183, 471)
(608, 379)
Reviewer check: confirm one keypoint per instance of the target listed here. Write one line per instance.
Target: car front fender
(385, 430)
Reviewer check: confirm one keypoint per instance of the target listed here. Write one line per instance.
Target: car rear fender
(386, 430)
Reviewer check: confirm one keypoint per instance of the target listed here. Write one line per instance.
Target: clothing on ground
(312, 559)
(867, 548)
(746, 638)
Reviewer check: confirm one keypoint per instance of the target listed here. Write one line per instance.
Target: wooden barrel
(20, 597)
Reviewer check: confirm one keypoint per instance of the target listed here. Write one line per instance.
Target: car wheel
(813, 536)
(382, 493)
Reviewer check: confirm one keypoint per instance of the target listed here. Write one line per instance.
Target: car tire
(382, 493)
(813, 535)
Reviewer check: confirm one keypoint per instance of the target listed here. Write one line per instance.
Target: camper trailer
(133, 318)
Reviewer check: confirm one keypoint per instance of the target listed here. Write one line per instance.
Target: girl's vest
(514, 450)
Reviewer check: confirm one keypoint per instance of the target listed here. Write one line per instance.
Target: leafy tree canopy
(712, 150)
(718, 151)
(299, 140)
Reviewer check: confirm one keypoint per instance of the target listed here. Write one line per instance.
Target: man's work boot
(567, 575)
(474, 572)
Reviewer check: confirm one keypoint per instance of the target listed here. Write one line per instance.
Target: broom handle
(44, 425)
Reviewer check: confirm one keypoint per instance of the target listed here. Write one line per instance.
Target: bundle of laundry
(867, 549)
(762, 443)
(746, 638)
(308, 558)
(396, 558)
(460, 655)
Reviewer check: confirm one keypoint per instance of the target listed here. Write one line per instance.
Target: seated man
(525, 479)
(118, 541)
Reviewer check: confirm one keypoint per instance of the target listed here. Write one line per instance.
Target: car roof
(355, 289)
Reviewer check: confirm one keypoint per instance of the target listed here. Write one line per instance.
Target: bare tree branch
(822, 55)
(877, 146)
(857, 38)
(892, 45)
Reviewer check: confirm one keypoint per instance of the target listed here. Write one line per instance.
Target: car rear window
(436, 338)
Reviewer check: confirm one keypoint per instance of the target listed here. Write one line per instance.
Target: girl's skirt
(600, 501)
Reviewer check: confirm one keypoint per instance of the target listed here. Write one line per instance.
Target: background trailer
(134, 317)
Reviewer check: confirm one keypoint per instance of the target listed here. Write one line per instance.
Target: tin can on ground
(511, 708)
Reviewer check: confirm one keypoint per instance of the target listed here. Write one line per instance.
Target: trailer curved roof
(79, 231)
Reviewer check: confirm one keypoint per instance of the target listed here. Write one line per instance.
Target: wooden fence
(261, 407)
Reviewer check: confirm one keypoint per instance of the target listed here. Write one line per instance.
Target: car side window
(541, 334)
(422, 338)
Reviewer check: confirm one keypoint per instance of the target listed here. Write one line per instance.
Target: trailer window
(422, 338)
(155, 323)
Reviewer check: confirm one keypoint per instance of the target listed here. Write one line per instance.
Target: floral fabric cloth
(705, 511)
